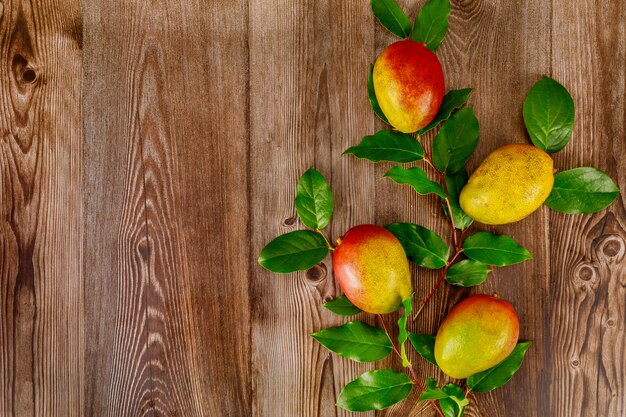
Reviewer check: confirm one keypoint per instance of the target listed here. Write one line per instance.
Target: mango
(409, 86)
(478, 333)
(372, 269)
(510, 184)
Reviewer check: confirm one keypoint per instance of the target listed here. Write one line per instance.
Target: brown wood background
(149, 149)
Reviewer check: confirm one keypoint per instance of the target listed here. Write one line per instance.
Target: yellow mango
(510, 184)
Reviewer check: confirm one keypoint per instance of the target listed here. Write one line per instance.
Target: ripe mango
(511, 183)
(409, 86)
(372, 269)
(478, 333)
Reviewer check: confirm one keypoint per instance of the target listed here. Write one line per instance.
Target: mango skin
(478, 333)
(510, 184)
(409, 85)
(372, 269)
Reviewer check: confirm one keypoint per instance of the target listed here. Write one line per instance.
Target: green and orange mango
(372, 269)
(478, 333)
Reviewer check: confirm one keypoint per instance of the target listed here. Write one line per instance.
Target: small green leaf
(314, 201)
(454, 405)
(416, 178)
(424, 344)
(467, 273)
(431, 24)
(387, 145)
(455, 183)
(432, 392)
(582, 190)
(490, 249)
(342, 306)
(371, 94)
(403, 334)
(392, 17)
(375, 390)
(451, 101)
(356, 340)
(549, 115)
(456, 141)
(500, 374)
(293, 251)
(422, 246)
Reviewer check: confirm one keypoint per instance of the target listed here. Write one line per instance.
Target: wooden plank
(41, 343)
(588, 252)
(308, 80)
(166, 253)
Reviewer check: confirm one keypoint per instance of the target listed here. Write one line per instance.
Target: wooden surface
(148, 151)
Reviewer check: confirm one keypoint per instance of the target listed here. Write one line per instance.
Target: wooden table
(149, 150)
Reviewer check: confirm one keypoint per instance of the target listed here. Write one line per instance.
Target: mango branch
(414, 378)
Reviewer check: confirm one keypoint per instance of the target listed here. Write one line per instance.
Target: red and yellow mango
(372, 269)
(409, 85)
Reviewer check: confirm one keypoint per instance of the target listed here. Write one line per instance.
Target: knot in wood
(612, 247)
(289, 221)
(317, 273)
(586, 272)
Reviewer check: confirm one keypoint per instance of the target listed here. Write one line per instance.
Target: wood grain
(167, 296)
(143, 169)
(41, 223)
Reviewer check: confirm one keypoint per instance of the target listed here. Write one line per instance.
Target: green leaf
(432, 392)
(356, 340)
(454, 405)
(467, 273)
(293, 251)
(375, 390)
(451, 101)
(549, 115)
(424, 344)
(403, 334)
(500, 374)
(392, 17)
(387, 145)
(342, 306)
(314, 201)
(431, 24)
(455, 183)
(371, 94)
(422, 246)
(416, 178)
(456, 141)
(582, 190)
(490, 249)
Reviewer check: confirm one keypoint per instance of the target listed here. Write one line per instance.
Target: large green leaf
(387, 145)
(490, 249)
(416, 178)
(356, 340)
(392, 17)
(293, 251)
(375, 390)
(549, 115)
(456, 141)
(431, 23)
(314, 201)
(582, 190)
(454, 405)
(422, 246)
(342, 306)
(451, 101)
(500, 374)
(403, 334)
(371, 94)
(424, 344)
(432, 392)
(455, 183)
(467, 273)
